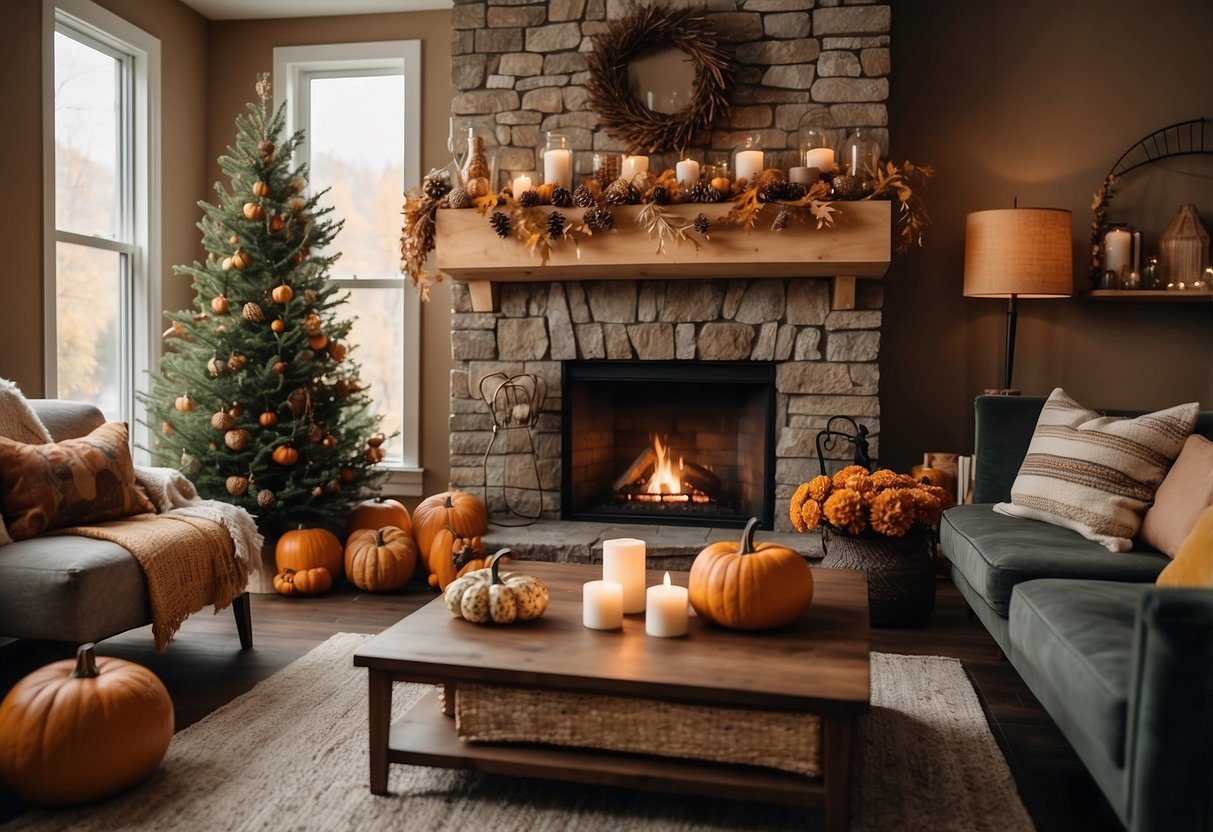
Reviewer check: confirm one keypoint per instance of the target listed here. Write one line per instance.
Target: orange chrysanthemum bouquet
(854, 501)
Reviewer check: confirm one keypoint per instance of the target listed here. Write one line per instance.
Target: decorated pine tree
(258, 401)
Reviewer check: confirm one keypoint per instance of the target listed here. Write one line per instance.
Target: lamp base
(1005, 391)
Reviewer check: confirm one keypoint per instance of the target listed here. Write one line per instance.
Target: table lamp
(1018, 253)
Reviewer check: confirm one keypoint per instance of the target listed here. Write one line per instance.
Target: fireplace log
(640, 467)
(701, 478)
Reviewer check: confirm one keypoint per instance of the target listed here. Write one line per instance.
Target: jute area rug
(291, 754)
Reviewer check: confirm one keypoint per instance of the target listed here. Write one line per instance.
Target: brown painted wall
(182, 34)
(1038, 99)
(241, 49)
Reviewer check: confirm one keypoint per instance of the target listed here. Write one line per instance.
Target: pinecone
(848, 187)
(435, 185)
(658, 195)
(562, 198)
(583, 197)
(459, 198)
(781, 220)
(703, 192)
(555, 225)
(253, 312)
(622, 192)
(794, 191)
(265, 498)
(599, 218)
(528, 199)
(501, 224)
(702, 225)
(771, 191)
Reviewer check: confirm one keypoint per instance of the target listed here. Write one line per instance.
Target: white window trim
(147, 309)
(291, 63)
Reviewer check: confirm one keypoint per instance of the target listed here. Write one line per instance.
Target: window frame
(293, 66)
(140, 187)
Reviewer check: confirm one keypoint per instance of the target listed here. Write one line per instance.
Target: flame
(664, 479)
(667, 579)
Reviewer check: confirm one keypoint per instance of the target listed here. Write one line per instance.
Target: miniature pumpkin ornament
(750, 587)
(314, 581)
(487, 597)
(82, 729)
(301, 549)
(380, 560)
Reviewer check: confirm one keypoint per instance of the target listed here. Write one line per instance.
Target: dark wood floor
(204, 668)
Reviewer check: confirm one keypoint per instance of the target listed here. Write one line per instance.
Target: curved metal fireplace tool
(514, 402)
(829, 438)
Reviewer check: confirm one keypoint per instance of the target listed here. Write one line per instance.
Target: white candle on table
(623, 562)
(749, 164)
(821, 158)
(521, 184)
(665, 612)
(633, 165)
(602, 605)
(803, 175)
(1117, 245)
(688, 173)
(558, 167)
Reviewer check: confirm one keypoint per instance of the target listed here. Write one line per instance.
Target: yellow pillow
(1193, 564)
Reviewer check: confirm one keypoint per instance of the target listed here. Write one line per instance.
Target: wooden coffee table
(819, 665)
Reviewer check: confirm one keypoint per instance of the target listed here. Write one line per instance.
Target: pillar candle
(749, 164)
(623, 562)
(602, 605)
(821, 158)
(688, 173)
(521, 185)
(558, 167)
(633, 165)
(1117, 245)
(665, 612)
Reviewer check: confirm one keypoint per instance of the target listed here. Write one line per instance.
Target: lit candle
(1117, 245)
(602, 605)
(803, 175)
(558, 168)
(633, 165)
(521, 185)
(688, 173)
(665, 613)
(748, 164)
(821, 158)
(623, 562)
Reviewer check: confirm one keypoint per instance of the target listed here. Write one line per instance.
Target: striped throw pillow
(1096, 474)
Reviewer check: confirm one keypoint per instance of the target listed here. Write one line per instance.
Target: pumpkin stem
(86, 663)
(446, 501)
(454, 533)
(378, 538)
(495, 562)
(747, 537)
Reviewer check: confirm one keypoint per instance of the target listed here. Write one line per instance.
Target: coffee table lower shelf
(424, 736)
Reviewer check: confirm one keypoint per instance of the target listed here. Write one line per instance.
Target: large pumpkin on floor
(302, 549)
(82, 729)
(378, 513)
(380, 560)
(457, 510)
(750, 587)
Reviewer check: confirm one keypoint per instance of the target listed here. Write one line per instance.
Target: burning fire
(664, 479)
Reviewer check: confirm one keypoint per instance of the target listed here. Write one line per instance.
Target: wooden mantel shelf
(857, 245)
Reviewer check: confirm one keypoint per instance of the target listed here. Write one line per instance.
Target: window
(101, 100)
(359, 108)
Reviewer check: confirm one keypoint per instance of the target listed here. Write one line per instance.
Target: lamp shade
(1025, 252)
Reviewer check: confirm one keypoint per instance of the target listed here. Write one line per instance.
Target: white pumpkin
(485, 596)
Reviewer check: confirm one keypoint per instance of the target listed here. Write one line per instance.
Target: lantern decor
(515, 403)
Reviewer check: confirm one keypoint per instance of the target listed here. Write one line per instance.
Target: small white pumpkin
(485, 596)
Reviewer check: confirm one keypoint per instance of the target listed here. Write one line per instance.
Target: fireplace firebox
(669, 442)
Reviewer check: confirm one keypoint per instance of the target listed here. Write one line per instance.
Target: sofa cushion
(995, 552)
(68, 588)
(1193, 564)
(1184, 494)
(1072, 642)
(1097, 474)
(69, 483)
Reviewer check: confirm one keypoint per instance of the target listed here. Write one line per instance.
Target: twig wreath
(647, 29)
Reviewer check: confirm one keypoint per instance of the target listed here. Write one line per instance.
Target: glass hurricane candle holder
(748, 160)
(860, 155)
(556, 160)
(817, 141)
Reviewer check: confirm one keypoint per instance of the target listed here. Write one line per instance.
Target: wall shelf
(1147, 296)
(859, 244)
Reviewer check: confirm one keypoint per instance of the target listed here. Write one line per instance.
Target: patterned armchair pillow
(1096, 474)
(69, 483)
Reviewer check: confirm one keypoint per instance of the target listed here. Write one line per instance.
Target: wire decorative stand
(514, 402)
(828, 439)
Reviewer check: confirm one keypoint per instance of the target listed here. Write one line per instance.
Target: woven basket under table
(901, 574)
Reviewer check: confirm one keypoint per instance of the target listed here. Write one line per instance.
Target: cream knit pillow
(1096, 474)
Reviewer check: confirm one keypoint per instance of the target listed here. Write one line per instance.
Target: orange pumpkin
(377, 513)
(380, 560)
(285, 455)
(458, 510)
(452, 555)
(302, 549)
(82, 729)
(750, 587)
(315, 581)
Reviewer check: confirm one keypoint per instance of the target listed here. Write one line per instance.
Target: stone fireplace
(822, 361)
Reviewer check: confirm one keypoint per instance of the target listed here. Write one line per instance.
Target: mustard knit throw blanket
(188, 562)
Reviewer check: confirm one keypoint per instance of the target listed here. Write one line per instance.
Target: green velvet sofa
(1124, 667)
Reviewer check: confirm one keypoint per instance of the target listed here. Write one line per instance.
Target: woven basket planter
(901, 573)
